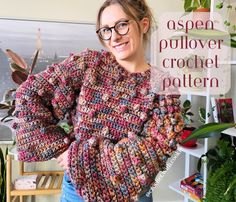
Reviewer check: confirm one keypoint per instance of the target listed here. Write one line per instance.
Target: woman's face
(127, 47)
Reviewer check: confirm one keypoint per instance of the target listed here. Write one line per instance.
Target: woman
(123, 132)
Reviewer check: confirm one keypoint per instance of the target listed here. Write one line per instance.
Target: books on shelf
(193, 185)
(26, 182)
(222, 109)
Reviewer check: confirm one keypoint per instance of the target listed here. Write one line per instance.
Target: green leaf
(187, 4)
(208, 130)
(190, 9)
(233, 43)
(187, 104)
(196, 4)
(234, 27)
(207, 4)
(220, 5)
(231, 186)
(66, 127)
(202, 113)
(190, 114)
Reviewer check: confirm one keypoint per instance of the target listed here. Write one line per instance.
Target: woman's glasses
(121, 28)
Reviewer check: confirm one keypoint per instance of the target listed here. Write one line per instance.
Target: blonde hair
(135, 9)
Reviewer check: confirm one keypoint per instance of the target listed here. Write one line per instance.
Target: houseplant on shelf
(221, 183)
(20, 72)
(208, 130)
(187, 117)
(230, 19)
(222, 172)
(197, 5)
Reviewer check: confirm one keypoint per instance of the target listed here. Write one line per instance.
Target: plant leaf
(187, 4)
(190, 9)
(16, 58)
(19, 77)
(8, 96)
(15, 67)
(190, 113)
(196, 3)
(233, 43)
(231, 185)
(34, 62)
(4, 106)
(220, 5)
(208, 130)
(187, 104)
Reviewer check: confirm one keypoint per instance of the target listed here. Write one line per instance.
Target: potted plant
(202, 115)
(221, 182)
(20, 72)
(230, 21)
(208, 130)
(197, 5)
(187, 117)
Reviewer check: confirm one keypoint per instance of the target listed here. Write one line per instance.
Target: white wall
(70, 10)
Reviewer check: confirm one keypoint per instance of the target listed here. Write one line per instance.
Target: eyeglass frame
(113, 27)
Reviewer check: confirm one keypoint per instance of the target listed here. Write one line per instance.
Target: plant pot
(186, 132)
(201, 14)
(202, 10)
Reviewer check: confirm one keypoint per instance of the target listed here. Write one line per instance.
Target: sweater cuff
(42, 148)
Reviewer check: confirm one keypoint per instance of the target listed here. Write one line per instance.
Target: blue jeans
(69, 193)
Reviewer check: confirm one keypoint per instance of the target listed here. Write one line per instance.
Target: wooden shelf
(176, 187)
(47, 184)
(195, 151)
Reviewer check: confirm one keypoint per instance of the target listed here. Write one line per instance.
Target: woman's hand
(62, 160)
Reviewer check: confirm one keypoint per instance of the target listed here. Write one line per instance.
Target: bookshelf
(49, 182)
(175, 187)
(230, 131)
(196, 151)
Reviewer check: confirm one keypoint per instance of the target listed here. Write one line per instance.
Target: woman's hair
(135, 9)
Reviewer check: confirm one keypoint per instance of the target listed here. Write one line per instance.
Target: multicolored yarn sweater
(123, 131)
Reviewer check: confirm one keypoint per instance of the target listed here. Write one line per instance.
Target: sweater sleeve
(41, 102)
(127, 168)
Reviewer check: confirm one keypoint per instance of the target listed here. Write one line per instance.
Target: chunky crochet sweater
(123, 132)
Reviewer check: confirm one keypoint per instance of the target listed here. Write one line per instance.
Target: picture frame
(55, 40)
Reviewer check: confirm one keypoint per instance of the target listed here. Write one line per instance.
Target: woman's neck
(136, 66)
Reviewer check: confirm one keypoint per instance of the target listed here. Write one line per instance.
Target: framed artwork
(55, 40)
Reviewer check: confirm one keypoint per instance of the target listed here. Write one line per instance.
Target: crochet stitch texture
(123, 131)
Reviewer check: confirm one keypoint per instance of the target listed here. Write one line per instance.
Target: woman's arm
(41, 102)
